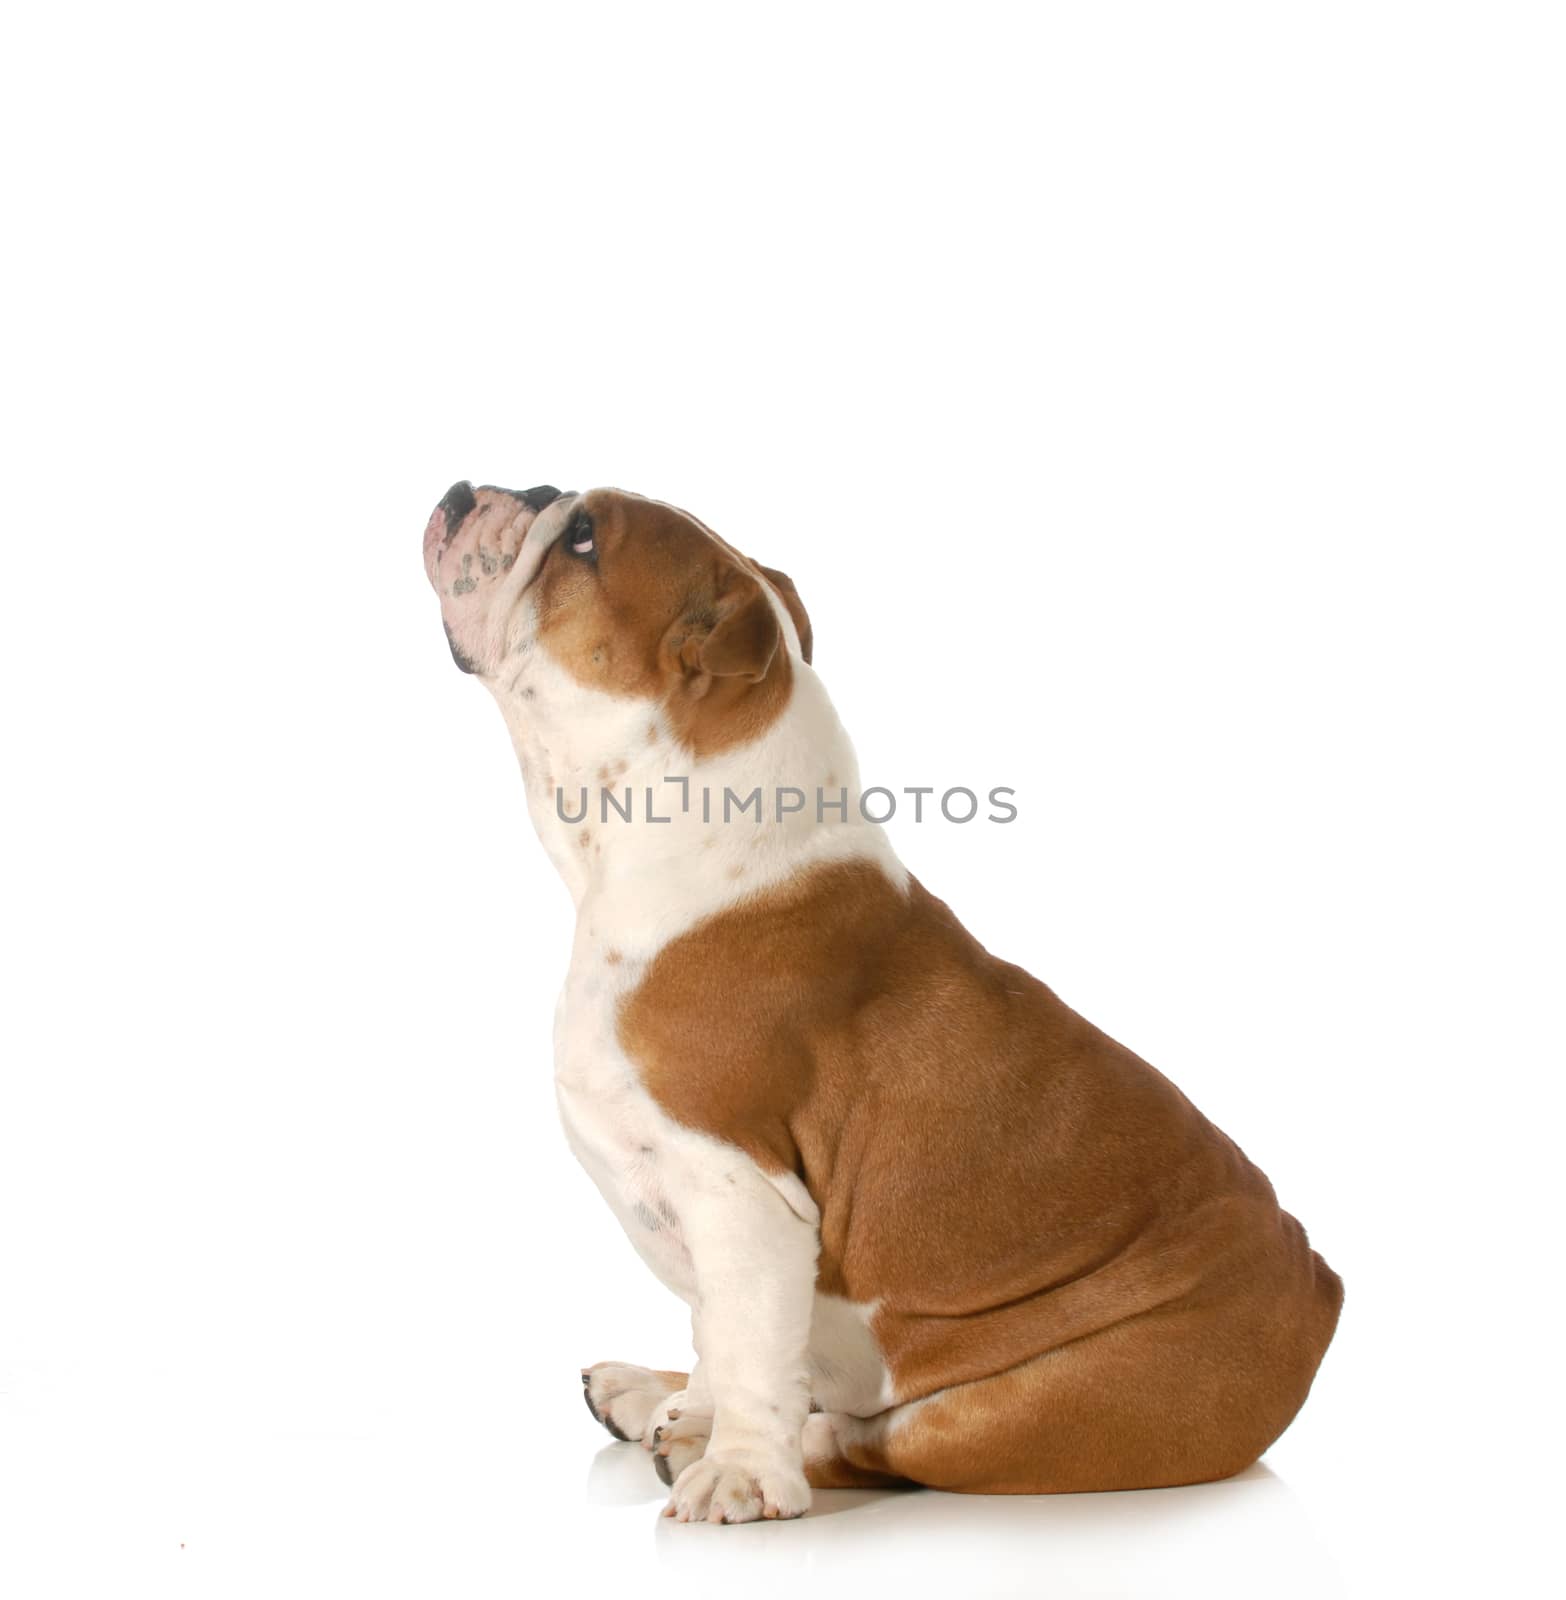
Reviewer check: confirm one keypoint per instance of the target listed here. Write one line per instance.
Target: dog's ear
(736, 640)
(729, 671)
(796, 607)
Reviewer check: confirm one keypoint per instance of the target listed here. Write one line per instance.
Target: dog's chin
(464, 661)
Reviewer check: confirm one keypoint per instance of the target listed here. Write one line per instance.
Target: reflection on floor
(1247, 1536)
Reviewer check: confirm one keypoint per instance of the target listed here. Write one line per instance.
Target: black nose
(457, 502)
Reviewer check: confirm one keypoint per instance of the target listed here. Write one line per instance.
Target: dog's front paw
(681, 1406)
(678, 1441)
(739, 1486)
(629, 1401)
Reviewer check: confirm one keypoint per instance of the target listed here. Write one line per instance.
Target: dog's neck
(579, 747)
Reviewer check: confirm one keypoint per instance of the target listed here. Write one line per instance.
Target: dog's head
(626, 596)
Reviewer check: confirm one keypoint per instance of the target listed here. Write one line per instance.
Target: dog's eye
(579, 535)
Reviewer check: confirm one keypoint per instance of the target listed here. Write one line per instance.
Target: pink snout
(479, 559)
(458, 503)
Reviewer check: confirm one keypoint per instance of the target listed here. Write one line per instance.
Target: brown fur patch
(1044, 1218)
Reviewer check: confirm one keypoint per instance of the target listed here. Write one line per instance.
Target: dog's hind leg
(844, 1452)
(1158, 1400)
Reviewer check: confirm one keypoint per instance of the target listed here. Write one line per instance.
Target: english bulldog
(933, 1227)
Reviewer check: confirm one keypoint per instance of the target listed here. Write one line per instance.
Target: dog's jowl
(933, 1226)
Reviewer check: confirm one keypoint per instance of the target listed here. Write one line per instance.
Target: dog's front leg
(755, 1266)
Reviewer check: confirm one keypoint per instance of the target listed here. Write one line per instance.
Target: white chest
(658, 1177)
(614, 1127)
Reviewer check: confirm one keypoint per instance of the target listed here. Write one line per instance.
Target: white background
(1160, 410)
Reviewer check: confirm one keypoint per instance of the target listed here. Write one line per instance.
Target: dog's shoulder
(798, 1003)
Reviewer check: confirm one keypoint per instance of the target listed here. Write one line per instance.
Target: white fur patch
(736, 1243)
